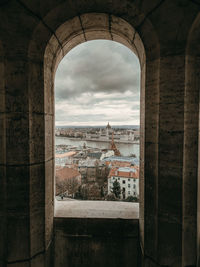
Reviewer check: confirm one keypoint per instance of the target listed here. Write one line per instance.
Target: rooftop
(119, 158)
(96, 155)
(66, 154)
(124, 172)
(66, 173)
(127, 169)
(90, 162)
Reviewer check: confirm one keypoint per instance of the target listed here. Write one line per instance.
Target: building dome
(108, 126)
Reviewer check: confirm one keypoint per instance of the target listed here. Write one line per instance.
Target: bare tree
(67, 186)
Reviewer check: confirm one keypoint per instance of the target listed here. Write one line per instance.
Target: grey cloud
(107, 70)
(101, 77)
(80, 118)
(105, 101)
(135, 107)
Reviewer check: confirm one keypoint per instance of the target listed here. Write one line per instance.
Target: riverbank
(125, 149)
(101, 140)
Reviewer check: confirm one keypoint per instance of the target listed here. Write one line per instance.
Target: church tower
(108, 130)
(113, 147)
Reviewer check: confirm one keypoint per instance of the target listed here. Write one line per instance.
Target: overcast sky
(98, 82)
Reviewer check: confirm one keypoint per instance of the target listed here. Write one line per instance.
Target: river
(125, 149)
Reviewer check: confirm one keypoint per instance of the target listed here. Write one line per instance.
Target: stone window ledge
(96, 209)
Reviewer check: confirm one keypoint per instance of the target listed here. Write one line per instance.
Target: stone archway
(84, 28)
(88, 27)
(44, 59)
(69, 34)
(26, 32)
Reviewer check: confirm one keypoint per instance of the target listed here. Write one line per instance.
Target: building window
(124, 181)
(129, 192)
(134, 186)
(134, 193)
(118, 178)
(129, 179)
(129, 185)
(133, 180)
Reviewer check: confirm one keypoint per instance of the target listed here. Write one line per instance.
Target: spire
(113, 146)
(108, 126)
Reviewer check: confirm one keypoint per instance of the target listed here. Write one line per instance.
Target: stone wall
(96, 242)
(34, 37)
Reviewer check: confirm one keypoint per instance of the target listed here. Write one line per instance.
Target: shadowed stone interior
(34, 37)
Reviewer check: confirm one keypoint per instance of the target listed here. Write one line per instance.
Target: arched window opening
(97, 118)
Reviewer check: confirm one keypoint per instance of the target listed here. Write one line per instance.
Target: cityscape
(87, 171)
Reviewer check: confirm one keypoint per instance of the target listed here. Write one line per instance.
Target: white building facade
(128, 178)
(107, 154)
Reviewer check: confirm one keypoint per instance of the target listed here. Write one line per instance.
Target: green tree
(116, 190)
(131, 199)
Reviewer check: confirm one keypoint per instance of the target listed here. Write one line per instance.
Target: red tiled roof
(66, 173)
(119, 163)
(115, 172)
(66, 154)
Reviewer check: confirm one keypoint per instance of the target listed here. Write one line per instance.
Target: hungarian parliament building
(119, 136)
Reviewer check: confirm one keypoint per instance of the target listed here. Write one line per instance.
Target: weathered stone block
(37, 187)
(37, 138)
(49, 137)
(18, 238)
(37, 232)
(17, 190)
(35, 84)
(3, 138)
(17, 138)
(16, 82)
(38, 261)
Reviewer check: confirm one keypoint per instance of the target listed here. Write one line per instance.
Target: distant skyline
(98, 82)
(96, 126)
